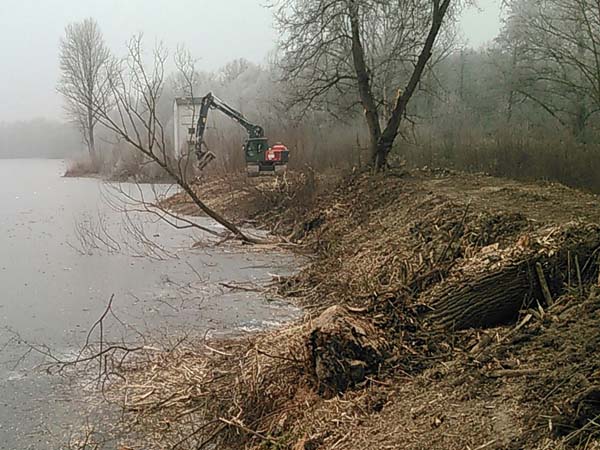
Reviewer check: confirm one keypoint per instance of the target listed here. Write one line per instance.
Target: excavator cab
(254, 148)
(264, 160)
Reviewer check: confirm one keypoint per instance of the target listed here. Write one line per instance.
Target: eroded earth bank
(443, 310)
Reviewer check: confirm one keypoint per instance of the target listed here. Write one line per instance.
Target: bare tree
(559, 46)
(234, 69)
(84, 79)
(136, 88)
(376, 48)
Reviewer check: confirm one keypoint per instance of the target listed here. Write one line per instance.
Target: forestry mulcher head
(204, 159)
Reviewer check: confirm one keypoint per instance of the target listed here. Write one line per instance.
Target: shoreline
(386, 250)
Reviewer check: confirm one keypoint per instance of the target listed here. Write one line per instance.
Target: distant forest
(39, 138)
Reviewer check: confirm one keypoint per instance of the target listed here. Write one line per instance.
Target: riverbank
(444, 310)
(65, 252)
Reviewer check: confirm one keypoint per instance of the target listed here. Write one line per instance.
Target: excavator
(261, 159)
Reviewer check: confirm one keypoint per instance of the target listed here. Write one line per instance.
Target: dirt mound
(402, 261)
(378, 236)
(529, 386)
(562, 351)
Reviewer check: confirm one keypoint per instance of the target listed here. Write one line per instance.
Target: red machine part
(275, 153)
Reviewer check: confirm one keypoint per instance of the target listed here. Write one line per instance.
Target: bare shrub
(79, 167)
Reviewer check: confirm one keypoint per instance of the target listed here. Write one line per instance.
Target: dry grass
(244, 396)
(80, 167)
(516, 153)
(233, 392)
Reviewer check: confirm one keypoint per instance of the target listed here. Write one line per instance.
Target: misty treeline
(327, 49)
(39, 138)
(526, 106)
(346, 72)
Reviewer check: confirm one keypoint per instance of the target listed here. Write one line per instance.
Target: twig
(569, 268)
(544, 284)
(579, 276)
(576, 433)
(236, 423)
(283, 358)
(240, 288)
(218, 352)
(513, 372)
(487, 444)
(198, 430)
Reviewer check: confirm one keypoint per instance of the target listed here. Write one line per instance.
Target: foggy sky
(216, 31)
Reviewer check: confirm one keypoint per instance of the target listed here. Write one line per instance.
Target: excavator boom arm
(209, 102)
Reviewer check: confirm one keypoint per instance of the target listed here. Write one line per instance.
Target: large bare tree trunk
(386, 140)
(486, 300)
(92, 141)
(364, 82)
(495, 297)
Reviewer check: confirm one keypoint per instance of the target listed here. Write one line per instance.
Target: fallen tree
(496, 284)
(133, 116)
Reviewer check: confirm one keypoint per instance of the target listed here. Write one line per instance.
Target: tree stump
(344, 349)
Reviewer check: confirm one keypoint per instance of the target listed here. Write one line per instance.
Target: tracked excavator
(261, 159)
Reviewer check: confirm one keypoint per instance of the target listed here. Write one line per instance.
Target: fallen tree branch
(513, 373)
(238, 424)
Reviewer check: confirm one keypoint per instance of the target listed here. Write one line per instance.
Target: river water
(56, 280)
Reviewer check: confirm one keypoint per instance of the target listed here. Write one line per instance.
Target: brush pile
(276, 202)
(403, 262)
(226, 391)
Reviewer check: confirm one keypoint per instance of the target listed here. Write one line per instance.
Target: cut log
(483, 301)
(495, 296)
(344, 350)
